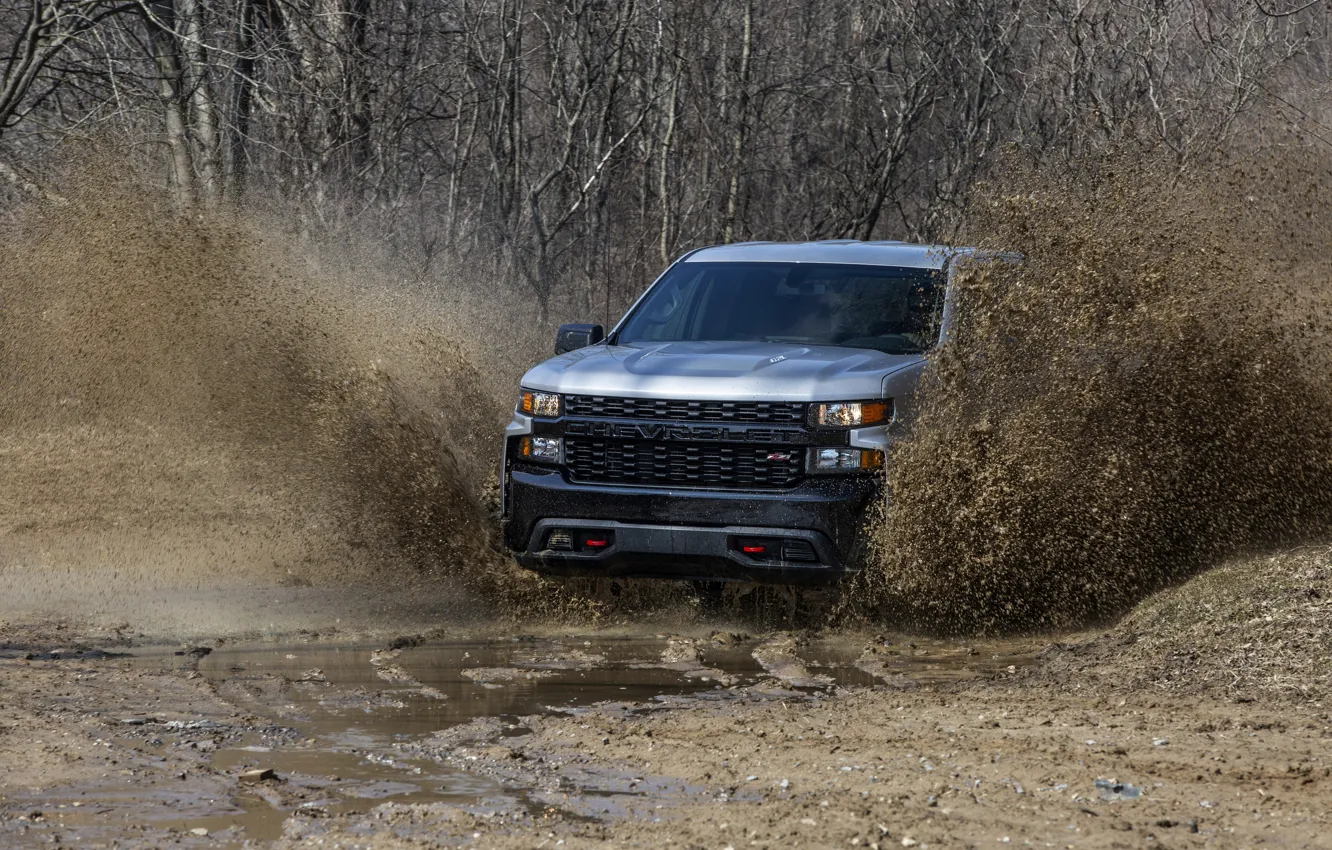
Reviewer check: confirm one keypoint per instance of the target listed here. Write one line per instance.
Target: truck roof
(848, 251)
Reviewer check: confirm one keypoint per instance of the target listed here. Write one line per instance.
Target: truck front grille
(676, 409)
(654, 463)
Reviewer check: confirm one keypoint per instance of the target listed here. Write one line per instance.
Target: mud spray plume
(1146, 394)
(192, 397)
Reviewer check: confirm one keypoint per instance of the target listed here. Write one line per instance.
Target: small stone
(750, 778)
(262, 774)
(908, 841)
(1160, 742)
(1112, 791)
(133, 721)
(199, 830)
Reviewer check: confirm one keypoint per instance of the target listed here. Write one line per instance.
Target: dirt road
(700, 738)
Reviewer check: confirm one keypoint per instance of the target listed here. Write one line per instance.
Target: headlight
(852, 414)
(845, 460)
(542, 449)
(540, 404)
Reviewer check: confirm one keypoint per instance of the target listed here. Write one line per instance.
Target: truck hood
(720, 371)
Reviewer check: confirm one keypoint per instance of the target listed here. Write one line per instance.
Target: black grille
(650, 462)
(700, 411)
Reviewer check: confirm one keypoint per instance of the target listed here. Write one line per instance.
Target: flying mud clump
(193, 396)
(1145, 394)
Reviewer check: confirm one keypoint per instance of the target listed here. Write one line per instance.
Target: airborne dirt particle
(199, 400)
(1144, 395)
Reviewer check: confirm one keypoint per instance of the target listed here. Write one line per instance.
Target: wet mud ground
(706, 739)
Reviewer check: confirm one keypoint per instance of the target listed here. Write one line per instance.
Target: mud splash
(199, 399)
(1145, 395)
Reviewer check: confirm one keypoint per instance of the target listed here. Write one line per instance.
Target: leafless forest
(571, 147)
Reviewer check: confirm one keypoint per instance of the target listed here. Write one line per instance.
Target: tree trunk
(664, 186)
(243, 94)
(741, 126)
(203, 110)
(162, 23)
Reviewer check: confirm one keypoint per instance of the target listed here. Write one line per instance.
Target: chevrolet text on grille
(662, 431)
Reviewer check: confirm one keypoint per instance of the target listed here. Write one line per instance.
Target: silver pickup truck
(735, 424)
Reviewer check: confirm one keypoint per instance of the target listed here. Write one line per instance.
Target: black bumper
(692, 534)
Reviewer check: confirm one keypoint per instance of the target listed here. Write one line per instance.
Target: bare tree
(573, 146)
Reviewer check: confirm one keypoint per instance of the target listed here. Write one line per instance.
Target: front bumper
(682, 533)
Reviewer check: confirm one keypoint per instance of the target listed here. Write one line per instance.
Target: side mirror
(574, 337)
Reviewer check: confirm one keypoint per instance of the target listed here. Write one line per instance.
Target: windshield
(894, 310)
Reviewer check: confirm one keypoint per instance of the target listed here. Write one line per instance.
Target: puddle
(338, 723)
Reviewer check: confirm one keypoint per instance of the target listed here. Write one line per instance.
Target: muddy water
(340, 725)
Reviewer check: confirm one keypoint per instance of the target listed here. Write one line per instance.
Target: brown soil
(1207, 701)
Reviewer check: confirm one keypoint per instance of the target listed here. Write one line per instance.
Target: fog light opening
(559, 540)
